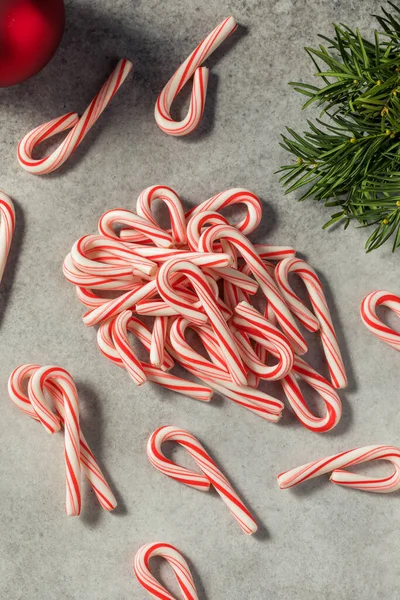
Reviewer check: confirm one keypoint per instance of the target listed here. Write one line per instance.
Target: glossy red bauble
(30, 32)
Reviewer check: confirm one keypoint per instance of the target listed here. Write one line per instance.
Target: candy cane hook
(178, 563)
(260, 272)
(7, 226)
(211, 475)
(338, 462)
(373, 322)
(80, 127)
(162, 111)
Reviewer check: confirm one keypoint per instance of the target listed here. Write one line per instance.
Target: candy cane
(337, 463)
(122, 354)
(260, 272)
(191, 65)
(144, 209)
(270, 252)
(61, 388)
(215, 373)
(7, 226)
(178, 563)
(147, 229)
(372, 321)
(230, 198)
(333, 405)
(322, 319)
(80, 127)
(158, 339)
(161, 255)
(96, 254)
(211, 474)
(99, 281)
(250, 321)
(213, 312)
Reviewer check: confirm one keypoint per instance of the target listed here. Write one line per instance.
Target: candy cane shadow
(11, 269)
(92, 426)
(181, 102)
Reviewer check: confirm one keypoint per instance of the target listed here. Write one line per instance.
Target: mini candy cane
(158, 340)
(372, 321)
(205, 294)
(250, 321)
(178, 563)
(337, 463)
(215, 373)
(298, 403)
(210, 472)
(110, 258)
(118, 349)
(191, 65)
(229, 198)
(147, 229)
(260, 272)
(144, 209)
(60, 386)
(7, 226)
(80, 127)
(322, 319)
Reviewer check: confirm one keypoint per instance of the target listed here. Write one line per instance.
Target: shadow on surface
(92, 428)
(12, 260)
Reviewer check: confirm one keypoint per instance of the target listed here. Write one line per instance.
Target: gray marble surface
(318, 541)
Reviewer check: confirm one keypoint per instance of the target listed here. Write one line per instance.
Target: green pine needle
(351, 158)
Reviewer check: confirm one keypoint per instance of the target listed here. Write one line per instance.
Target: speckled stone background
(318, 541)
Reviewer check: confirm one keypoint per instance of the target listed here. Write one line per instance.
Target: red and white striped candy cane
(229, 198)
(270, 252)
(260, 272)
(211, 473)
(7, 226)
(158, 340)
(250, 321)
(215, 373)
(161, 255)
(211, 308)
(122, 355)
(178, 563)
(338, 462)
(333, 405)
(100, 282)
(80, 127)
(61, 388)
(149, 230)
(196, 224)
(96, 254)
(322, 320)
(373, 322)
(182, 75)
(144, 209)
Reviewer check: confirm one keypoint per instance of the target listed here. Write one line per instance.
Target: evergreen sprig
(351, 158)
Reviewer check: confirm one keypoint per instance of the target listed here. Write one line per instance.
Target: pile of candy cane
(205, 275)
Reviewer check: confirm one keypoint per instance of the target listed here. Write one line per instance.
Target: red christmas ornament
(30, 32)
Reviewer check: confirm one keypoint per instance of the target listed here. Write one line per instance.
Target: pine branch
(351, 158)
